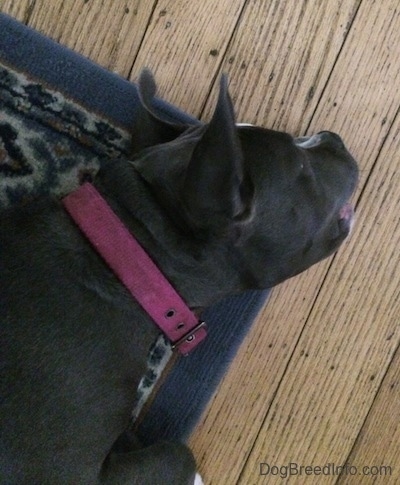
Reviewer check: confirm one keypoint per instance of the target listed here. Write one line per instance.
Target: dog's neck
(202, 272)
(134, 268)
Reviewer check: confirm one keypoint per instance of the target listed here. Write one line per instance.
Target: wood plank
(184, 46)
(279, 65)
(20, 10)
(363, 93)
(378, 445)
(109, 33)
(348, 342)
(247, 400)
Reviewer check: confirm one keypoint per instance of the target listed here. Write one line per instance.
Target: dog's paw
(198, 480)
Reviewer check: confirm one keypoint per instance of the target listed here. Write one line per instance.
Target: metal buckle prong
(189, 336)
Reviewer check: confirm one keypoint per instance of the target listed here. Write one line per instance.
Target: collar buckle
(190, 340)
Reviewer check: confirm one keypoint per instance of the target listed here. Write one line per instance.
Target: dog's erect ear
(214, 188)
(149, 128)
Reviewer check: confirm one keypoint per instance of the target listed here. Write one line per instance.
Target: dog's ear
(149, 128)
(199, 176)
(214, 189)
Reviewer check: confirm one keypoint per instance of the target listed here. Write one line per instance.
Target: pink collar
(134, 268)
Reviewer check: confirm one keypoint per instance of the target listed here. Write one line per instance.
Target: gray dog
(220, 208)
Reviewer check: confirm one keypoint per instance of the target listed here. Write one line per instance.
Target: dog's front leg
(159, 464)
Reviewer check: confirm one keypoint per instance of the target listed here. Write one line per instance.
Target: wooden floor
(317, 381)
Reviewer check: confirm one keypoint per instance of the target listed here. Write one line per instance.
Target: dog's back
(71, 356)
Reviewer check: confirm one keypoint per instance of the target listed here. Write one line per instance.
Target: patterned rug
(48, 143)
(61, 118)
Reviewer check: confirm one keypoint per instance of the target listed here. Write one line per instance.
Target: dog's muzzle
(330, 139)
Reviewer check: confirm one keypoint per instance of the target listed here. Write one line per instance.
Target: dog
(221, 208)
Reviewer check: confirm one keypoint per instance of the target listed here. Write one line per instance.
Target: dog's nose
(327, 138)
(332, 139)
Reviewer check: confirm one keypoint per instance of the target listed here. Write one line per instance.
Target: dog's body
(220, 209)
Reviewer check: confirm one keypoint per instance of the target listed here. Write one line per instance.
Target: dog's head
(281, 203)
